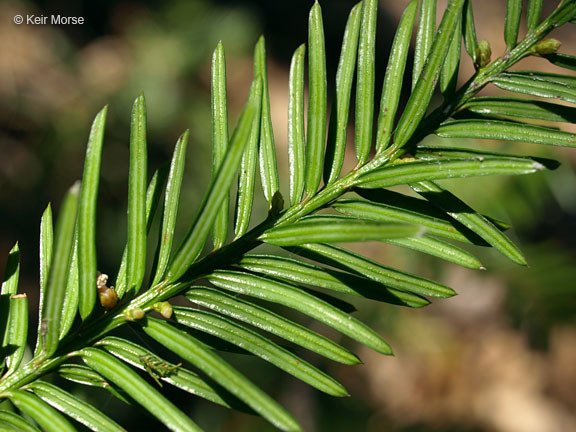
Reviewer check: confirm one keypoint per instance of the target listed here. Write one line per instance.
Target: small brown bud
(107, 295)
(108, 298)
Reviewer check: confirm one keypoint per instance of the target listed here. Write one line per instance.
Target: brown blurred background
(499, 357)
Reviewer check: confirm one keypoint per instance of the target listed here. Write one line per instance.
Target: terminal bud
(163, 308)
(483, 54)
(546, 47)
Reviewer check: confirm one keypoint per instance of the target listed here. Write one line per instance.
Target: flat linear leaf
(4, 329)
(316, 132)
(505, 130)
(569, 81)
(216, 345)
(59, 270)
(153, 194)
(47, 417)
(138, 389)
(424, 37)
(259, 346)
(81, 374)
(395, 207)
(262, 318)
(469, 31)
(350, 261)
(12, 272)
(533, 14)
(136, 245)
(537, 85)
(87, 217)
(460, 211)
(11, 311)
(392, 87)
(14, 422)
(512, 23)
(171, 202)
(319, 229)
(337, 302)
(302, 273)
(511, 107)
(194, 241)
(191, 350)
(75, 408)
(247, 178)
(562, 60)
(337, 132)
(219, 136)
(293, 297)
(365, 81)
(296, 137)
(420, 98)
(449, 72)
(440, 249)
(182, 378)
(70, 306)
(564, 12)
(267, 151)
(46, 244)
(422, 207)
(17, 331)
(409, 172)
(440, 152)
(9, 288)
